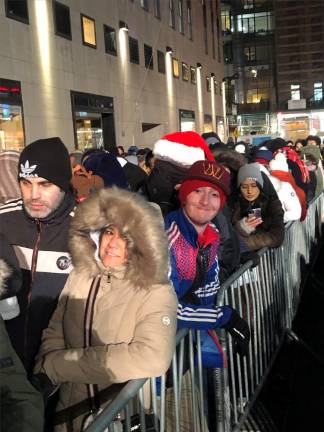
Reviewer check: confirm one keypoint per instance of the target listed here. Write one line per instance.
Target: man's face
(201, 206)
(40, 197)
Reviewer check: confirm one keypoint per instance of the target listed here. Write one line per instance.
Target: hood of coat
(5, 272)
(137, 220)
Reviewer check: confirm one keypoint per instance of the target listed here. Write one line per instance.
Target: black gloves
(240, 332)
(44, 385)
(250, 255)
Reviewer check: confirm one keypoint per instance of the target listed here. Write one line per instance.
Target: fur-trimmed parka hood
(137, 220)
(5, 272)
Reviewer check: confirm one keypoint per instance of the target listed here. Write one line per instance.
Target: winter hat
(132, 150)
(211, 138)
(106, 166)
(311, 150)
(263, 156)
(47, 158)
(240, 148)
(206, 174)
(279, 163)
(250, 171)
(182, 149)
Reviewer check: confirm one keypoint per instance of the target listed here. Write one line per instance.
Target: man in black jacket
(37, 228)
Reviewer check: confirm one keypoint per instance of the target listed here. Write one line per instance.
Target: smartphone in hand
(256, 212)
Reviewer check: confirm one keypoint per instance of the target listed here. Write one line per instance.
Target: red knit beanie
(190, 185)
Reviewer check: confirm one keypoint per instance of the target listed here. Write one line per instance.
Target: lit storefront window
(11, 116)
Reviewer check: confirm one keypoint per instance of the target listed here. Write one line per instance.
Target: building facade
(274, 57)
(104, 73)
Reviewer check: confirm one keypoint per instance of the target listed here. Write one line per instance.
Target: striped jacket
(196, 307)
(42, 251)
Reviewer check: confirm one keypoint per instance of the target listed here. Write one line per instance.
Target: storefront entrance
(11, 116)
(93, 118)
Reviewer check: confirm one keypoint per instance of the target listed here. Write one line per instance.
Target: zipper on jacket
(109, 276)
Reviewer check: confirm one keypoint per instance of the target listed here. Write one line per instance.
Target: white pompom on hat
(182, 149)
(279, 163)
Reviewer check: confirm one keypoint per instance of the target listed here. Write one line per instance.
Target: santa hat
(182, 149)
(279, 163)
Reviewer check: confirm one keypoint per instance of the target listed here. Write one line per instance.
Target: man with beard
(37, 228)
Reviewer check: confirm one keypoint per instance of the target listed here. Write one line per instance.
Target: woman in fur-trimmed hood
(116, 317)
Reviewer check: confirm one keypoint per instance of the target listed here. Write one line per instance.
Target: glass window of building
(144, 4)
(212, 28)
(193, 75)
(226, 22)
(248, 4)
(171, 14)
(185, 71)
(204, 12)
(62, 20)
(257, 95)
(88, 26)
(189, 19)
(181, 25)
(11, 116)
(110, 40)
(318, 91)
(208, 83)
(148, 56)
(249, 53)
(175, 67)
(187, 120)
(295, 91)
(255, 23)
(18, 10)
(133, 50)
(157, 9)
(161, 61)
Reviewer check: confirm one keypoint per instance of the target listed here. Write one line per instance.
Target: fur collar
(137, 220)
(5, 272)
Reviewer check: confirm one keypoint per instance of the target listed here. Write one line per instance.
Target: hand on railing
(240, 332)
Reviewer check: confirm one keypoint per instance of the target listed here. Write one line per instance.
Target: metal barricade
(267, 296)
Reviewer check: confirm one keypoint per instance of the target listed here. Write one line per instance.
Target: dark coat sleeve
(21, 405)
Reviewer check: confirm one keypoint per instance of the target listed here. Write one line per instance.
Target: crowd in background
(90, 236)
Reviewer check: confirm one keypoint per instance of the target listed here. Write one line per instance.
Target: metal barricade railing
(267, 296)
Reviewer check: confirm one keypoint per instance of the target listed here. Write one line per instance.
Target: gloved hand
(44, 385)
(240, 332)
(250, 255)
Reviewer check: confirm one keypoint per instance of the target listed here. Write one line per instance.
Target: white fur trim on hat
(177, 153)
(279, 163)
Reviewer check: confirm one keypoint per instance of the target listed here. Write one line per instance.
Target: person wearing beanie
(106, 166)
(174, 154)
(194, 243)
(37, 227)
(257, 217)
(263, 157)
(279, 170)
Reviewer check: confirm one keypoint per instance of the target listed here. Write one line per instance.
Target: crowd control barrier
(267, 296)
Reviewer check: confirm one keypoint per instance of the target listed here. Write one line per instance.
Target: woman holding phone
(257, 217)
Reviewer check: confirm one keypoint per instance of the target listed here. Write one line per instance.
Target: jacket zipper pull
(108, 277)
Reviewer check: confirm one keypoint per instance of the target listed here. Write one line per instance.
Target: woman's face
(112, 251)
(250, 190)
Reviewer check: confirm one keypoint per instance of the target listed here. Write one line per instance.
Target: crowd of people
(105, 254)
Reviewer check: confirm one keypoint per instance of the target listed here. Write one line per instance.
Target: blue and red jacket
(197, 297)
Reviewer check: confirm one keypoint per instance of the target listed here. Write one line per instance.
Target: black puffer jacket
(41, 247)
